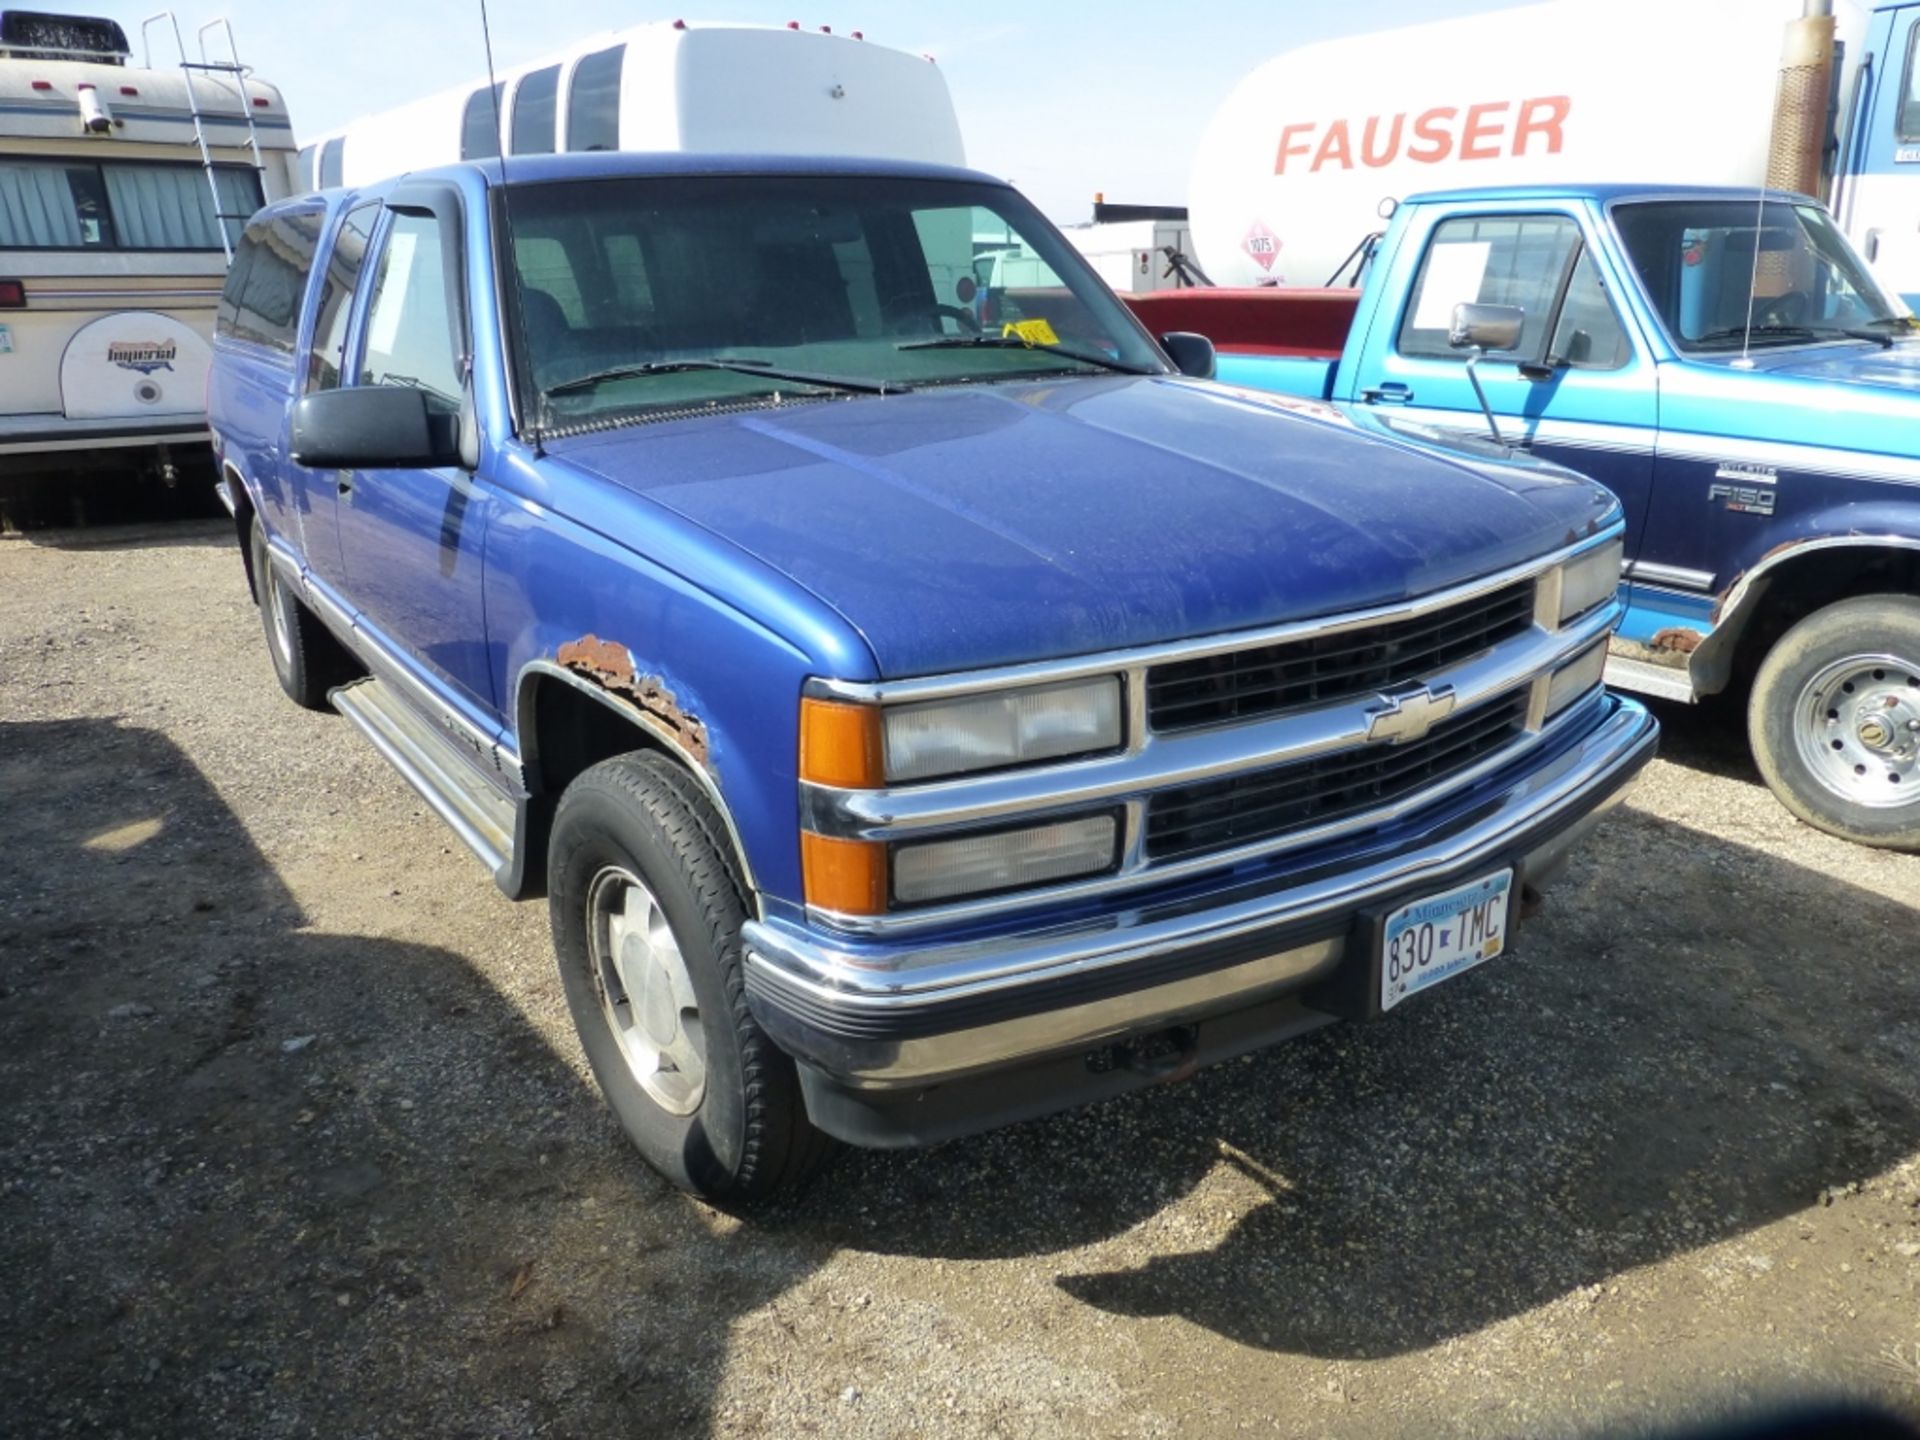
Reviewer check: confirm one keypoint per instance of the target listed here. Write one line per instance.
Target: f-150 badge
(1745, 489)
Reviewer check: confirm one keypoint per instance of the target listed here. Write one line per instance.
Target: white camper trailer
(710, 89)
(122, 190)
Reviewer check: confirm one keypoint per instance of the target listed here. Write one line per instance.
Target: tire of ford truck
(646, 915)
(1834, 720)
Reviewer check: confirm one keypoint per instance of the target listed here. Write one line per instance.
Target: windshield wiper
(1014, 342)
(739, 365)
(1740, 332)
(1900, 325)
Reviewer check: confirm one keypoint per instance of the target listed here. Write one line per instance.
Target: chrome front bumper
(906, 1015)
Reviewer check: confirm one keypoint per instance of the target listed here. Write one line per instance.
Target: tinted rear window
(261, 300)
(533, 112)
(593, 101)
(480, 124)
(333, 157)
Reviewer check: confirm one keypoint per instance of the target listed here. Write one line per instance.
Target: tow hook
(1161, 1054)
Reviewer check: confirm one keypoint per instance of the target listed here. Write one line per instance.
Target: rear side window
(480, 124)
(344, 265)
(412, 335)
(593, 101)
(533, 104)
(261, 300)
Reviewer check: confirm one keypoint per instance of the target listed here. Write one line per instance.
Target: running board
(1645, 678)
(433, 765)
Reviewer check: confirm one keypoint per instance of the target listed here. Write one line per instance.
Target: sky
(1064, 97)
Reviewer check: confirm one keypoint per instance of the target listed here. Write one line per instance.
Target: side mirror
(1487, 327)
(372, 427)
(1191, 354)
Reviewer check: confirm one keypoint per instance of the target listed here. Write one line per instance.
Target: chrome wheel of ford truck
(646, 912)
(1835, 720)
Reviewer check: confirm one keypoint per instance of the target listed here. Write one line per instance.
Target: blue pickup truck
(922, 703)
(1729, 367)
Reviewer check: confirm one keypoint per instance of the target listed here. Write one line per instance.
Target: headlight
(1005, 860)
(1001, 728)
(1589, 580)
(1576, 678)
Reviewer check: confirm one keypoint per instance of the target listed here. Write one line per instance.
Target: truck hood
(970, 527)
(1897, 368)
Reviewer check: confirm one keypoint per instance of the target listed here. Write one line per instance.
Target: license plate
(1436, 938)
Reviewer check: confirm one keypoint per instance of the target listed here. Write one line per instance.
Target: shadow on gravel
(1710, 737)
(1693, 1041)
(257, 1181)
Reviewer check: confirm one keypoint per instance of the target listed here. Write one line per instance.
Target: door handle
(1391, 392)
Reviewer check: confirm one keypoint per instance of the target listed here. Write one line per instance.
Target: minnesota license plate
(1436, 938)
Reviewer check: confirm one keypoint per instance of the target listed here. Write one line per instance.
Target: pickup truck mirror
(1487, 327)
(1191, 354)
(372, 427)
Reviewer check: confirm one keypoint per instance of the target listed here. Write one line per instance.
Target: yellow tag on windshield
(1034, 332)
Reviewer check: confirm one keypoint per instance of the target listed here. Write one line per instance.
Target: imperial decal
(141, 355)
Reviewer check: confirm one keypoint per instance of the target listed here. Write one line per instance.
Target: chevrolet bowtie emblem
(1408, 712)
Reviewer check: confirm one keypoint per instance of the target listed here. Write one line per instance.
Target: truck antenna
(1745, 362)
(534, 428)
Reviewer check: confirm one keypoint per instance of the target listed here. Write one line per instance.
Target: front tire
(646, 915)
(1834, 720)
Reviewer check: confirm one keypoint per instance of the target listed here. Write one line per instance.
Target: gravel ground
(295, 1137)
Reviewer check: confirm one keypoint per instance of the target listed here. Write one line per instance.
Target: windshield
(1705, 263)
(669, 293)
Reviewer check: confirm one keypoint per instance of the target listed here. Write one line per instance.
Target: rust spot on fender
(609, 665)
(1677, 639)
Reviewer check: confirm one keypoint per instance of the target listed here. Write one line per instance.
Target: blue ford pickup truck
(921, 704)
(1731, 369)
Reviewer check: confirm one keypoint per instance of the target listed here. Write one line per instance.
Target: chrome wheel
(645, 992)
(1858, 729)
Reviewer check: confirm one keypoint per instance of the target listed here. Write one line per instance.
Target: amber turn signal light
(847, 876)
(840, 745)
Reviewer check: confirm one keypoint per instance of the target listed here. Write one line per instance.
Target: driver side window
(1517, 260)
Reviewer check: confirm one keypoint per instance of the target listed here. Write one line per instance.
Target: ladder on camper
(209, 64)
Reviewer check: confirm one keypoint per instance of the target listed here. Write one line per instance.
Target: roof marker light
(43, 84)
(793, 24)
(129, 89)
(859, 34)
(261, 102)
(679, 24)
(826, 29)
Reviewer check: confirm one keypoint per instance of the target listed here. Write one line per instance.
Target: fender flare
(527, 737)
(1711, 665)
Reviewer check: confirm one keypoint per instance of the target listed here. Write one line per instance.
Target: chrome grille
(1323, 670)
(1264, 805)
